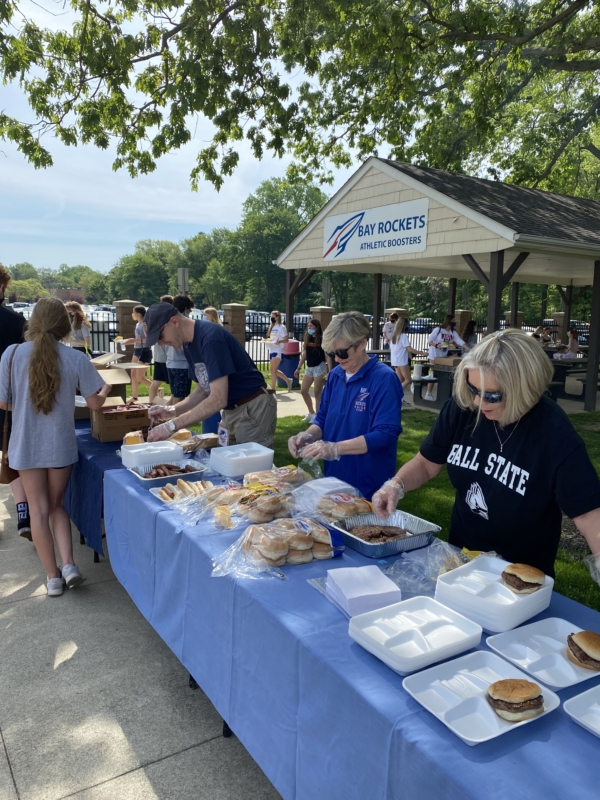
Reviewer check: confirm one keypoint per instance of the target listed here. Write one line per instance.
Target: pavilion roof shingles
(526, 211)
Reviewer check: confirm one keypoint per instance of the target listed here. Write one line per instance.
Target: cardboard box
(448, 361)
(109, 425)
(101, 362)
(119, 380)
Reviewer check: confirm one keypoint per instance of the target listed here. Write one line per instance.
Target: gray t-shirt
(81, 334)
(45, 440)
(176, 358)
(159, 354)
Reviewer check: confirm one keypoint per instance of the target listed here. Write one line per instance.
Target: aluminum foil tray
(421, 533)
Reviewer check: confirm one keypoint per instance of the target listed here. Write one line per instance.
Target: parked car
(421, 325)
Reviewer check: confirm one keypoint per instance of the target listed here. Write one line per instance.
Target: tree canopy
(507, 89)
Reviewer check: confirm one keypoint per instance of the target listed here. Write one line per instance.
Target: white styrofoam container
(414, 633)
(150, 454)
(456, 693)
(584, 709)
(541, 650)
(238, 459)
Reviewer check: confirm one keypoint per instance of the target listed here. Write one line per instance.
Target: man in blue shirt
(358, 421)
(227, 378)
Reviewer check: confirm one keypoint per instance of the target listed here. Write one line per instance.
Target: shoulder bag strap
(8, 395)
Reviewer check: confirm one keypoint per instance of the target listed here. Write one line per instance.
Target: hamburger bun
(256, 515)
(583, 649)
(523, 579)
(515, 699)
(299, 557)
(181, 436)
(268, 504)
(261, 559)
(299, 541)
(321, 551)
(271, 547)
(230, 496)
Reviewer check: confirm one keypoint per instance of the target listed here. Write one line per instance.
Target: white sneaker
(309, 417)
(290, 383)
(429, 397)
(412, 388)
(72, 576)
(55, 586)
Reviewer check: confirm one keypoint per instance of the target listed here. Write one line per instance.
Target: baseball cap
(156, 316)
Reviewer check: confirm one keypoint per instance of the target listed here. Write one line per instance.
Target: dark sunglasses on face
(342, 353)
(488, 397)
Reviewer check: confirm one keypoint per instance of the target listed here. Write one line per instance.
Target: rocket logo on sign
(342, 235)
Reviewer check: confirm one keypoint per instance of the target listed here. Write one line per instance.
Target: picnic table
(443, 376)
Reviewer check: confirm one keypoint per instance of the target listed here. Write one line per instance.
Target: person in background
(141, 353)
(277, 335)
(388, 330)
(469, 336)
(316, 367)
(547, 337)
(212, 315)
(12, 331)
(512, 455)
(159, 356)
(81, 327)
(537, 334)
(358, 423)
(177, 364)
(438, 343)
(572, 349)
(228, 380)
(45, 376)
(400, 347)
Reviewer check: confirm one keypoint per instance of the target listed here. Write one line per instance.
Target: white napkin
(361, 589)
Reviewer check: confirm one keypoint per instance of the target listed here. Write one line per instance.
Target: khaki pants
(253, 422)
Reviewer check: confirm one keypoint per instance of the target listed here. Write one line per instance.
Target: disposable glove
(159, 433)
(386, 499)
(297, 442)
(328, 451)
(161, 413)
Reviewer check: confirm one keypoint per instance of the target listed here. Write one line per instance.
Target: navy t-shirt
(510, 501)
(12, 328)
(214, 353)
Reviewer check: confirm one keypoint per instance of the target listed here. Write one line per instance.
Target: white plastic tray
(584, 709)
(150, 454)
(238, 459)
(455, 692)
(541, 650)
(414, 633)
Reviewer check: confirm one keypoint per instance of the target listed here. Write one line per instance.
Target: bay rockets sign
(383, 231)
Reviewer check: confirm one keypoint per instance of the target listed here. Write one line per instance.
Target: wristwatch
(171, 426)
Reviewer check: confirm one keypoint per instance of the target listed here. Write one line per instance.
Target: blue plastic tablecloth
(83, 498)
(321, 716)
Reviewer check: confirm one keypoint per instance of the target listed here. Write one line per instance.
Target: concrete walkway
(93, 705)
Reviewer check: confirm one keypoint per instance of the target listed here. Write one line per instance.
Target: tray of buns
(378, 538)
(460, 694)
(584, 709)
(413, 634)
(157, 474)
(542, 649)
(480, 592)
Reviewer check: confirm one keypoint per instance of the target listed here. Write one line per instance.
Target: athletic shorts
(160, 372)
(144, 354)
(316, 372)
(275, 355)
(180, 383)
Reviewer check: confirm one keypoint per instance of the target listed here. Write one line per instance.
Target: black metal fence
(104, 330)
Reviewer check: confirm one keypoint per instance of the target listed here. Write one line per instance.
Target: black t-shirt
(12, 328)
(315, 355)
(511, 501)
(213, 353)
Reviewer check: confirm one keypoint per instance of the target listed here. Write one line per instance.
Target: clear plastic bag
(285, 478)
(328, 499)
(416, 573)
(592, 562)
(263, 549)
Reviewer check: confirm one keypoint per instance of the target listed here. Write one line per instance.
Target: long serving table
(321, 716)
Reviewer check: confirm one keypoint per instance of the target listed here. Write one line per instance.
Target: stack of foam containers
(238, 459)
(414, 634)
(476, 590)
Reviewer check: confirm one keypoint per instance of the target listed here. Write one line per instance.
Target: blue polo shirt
(368, 404)
(214, 353)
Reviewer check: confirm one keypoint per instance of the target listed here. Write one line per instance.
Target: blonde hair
(212, 315)
(48, 325)
(519, 365)
(79, 313)
(274, 314)
(399, 328)
(5, 276)
(349, 328)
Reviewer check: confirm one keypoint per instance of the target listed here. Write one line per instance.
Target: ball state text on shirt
(497, 467)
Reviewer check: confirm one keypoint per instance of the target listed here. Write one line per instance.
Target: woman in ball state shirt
(512, 455)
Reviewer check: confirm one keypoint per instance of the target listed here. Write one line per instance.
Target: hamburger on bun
(523, 579)
(515, 699)
(583, 649)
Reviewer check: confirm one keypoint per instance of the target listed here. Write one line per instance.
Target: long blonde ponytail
(48, 325)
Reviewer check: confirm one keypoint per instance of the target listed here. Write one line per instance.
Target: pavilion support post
(452, 295)
(591, 385)
(377, 309)
(514, 304)
(289, 299)
(568, 312)
(496, 284)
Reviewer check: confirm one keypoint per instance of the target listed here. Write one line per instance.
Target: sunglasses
(342, 353)
(488, 397)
